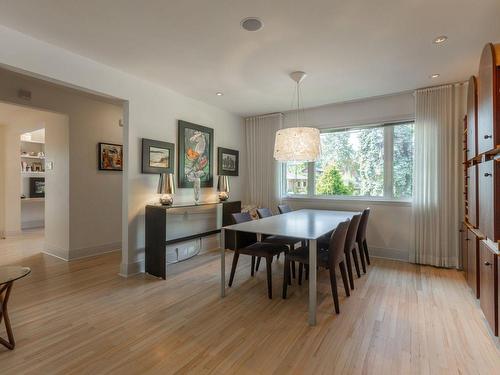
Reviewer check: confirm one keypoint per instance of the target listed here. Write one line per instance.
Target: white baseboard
(130, 269)
(33, 224)
(94, 250)
(388, 253)
(56, 251)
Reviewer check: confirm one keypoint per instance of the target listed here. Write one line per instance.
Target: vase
(197, 189)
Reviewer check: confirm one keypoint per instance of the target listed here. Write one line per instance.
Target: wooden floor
(82, 318)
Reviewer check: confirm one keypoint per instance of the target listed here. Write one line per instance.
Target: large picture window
(370, 161)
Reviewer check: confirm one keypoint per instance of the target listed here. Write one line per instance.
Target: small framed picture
(228, 162)
(157, 156)
(110, 157)
(37, 187)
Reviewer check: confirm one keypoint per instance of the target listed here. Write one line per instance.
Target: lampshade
(166, 184)
(223, 184)
(297, 144)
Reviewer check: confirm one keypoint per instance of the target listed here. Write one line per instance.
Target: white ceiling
(351, 49)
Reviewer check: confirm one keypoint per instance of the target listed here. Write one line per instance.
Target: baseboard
(388, 253)
(56, 251)
(94, 250)
(33, 224)
(131, 269)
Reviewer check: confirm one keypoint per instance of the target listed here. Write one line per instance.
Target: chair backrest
(352, 233)
(337, 244)
(284, 208)
(264, 212)
(363, 223)
(243, 239)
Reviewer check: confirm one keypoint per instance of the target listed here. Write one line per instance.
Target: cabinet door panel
(488, 300)
(486, 199)
(486, 99)
(472, 196)
(472, 118)
(472, 263)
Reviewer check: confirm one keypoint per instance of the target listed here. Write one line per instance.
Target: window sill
(370, 200)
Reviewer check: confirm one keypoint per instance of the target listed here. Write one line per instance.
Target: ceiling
(350, 49)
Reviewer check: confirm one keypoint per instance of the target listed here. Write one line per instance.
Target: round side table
(8, 275)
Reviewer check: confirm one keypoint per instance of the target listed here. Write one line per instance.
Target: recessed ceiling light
(440, 39)
(434, 76)
(252, 24)
(219, 93)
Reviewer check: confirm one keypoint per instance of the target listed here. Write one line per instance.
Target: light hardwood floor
(82, 318)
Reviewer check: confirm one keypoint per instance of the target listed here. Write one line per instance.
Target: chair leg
(252, 270)
(306, 268)
(349, 269)
(286, 277)
(365, 247)
(333, 284)
(292, 265)
(258, 264)
(269, 260)
(356, 262)
(301, 267)
(362, 256)
(233, 267)
(344, 278)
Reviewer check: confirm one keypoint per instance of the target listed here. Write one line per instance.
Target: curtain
(438, 177)
(263, 171)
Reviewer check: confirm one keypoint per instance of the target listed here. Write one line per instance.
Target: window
(370, 161)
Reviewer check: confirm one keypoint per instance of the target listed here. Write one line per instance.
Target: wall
(151, 111)
(389, 229)
(18, 120)
(2, 180)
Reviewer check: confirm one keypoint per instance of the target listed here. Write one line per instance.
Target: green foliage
(371, 162)
(331, 183)
(403, 161)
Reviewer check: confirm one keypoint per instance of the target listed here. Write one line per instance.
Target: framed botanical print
(110, 157)
(157, 156)
(195, 147)
(228, 162)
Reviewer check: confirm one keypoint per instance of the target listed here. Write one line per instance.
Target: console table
(166, 225)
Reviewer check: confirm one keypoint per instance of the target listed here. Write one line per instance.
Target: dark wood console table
(167, 225)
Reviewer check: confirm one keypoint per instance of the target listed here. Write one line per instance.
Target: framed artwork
(157, 156)
(195, 147)
(228, 162)
(110, 157)
(37, 187)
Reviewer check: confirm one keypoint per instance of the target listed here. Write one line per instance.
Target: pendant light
(299, 143)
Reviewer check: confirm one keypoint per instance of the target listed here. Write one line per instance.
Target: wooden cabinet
(472, 196)
(489, 199)
(471, 147)
(472, 270)
(463, 247)
(488, 135)
(489, 284)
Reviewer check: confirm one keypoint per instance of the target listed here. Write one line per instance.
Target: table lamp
(166, 187)
(223, 188)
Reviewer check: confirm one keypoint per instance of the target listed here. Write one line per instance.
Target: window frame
(388, 169)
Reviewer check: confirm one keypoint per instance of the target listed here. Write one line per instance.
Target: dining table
(305, 224)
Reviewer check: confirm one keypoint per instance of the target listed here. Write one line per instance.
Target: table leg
(312, 281)
(3, 313)
(222, 263)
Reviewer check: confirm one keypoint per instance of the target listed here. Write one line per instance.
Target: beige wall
(95, 198)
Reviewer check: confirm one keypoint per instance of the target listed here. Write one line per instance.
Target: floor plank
(82, 318)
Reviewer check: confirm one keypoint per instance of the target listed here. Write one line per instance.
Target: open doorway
(61, 192)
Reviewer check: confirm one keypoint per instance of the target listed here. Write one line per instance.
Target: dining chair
(247, 244)
(361, 238)
(284, 208)
(282, 240)
(328, 259)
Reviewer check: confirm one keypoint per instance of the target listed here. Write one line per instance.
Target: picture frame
(195, 154)
(227, 162)
(37, 187)
(157, 156)
(109, 156)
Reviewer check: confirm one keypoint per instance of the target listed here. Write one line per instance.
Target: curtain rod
(266, 115)
(442, 85)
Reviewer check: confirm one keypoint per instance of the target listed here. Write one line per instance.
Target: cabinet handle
(488, 136)
(488, 175)
(487, 263)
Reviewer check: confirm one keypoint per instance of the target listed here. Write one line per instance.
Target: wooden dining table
(305, 224)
